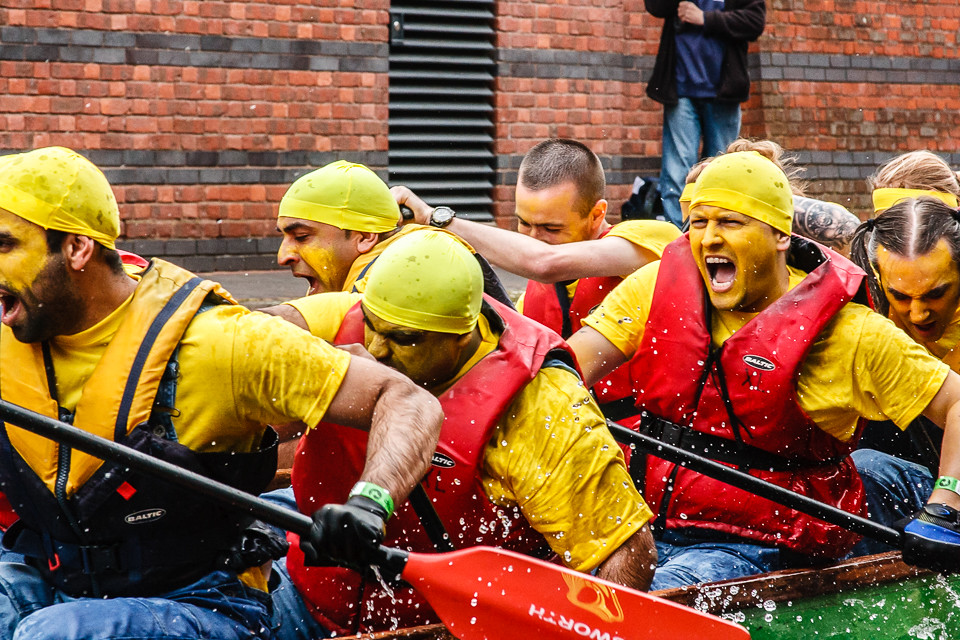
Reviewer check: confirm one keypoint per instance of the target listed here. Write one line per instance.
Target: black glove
(347, 534)
(931, 539)
(258, 543)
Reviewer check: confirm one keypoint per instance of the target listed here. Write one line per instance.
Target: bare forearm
(634, 563)
(403, 435)
(508, 250)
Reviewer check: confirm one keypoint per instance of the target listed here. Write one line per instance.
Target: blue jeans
(718, 123)
(894, 489)
(291, 618)
(216, 607)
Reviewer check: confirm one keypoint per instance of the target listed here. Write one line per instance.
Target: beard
(52, 305)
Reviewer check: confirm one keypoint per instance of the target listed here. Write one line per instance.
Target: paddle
(762, 488)
(479, 593)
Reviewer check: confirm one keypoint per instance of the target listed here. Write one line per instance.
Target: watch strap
(374, 492)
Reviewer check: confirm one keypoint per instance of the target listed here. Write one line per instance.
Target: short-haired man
(525, 461)
(572, 256)
(165, 363)
(747, 341)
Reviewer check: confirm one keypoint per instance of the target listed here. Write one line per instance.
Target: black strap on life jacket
(563, 298)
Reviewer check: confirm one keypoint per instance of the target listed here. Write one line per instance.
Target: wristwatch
(442, 216)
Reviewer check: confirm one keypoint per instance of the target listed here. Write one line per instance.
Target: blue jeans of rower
(894, 489)
(291, 618)
(684, 124)
(216, 607)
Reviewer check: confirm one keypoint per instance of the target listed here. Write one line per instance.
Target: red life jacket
(759, 365)
(330, 459)
(550, 305)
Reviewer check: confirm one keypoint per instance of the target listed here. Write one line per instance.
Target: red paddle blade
(483, 593)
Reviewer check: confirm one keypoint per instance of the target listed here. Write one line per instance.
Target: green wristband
(376, 493)
(948, 483)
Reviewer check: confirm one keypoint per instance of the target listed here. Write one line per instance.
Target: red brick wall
(202, 112)
(204, 90)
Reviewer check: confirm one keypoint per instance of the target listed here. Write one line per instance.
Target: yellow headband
(885, 197)
(748, 183)
(56, 188)
(687, 194)
(426, 280)
(344, 195)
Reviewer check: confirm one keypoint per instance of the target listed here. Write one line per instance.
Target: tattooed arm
(828, 223)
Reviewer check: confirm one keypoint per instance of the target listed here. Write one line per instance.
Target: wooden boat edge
(733, 595)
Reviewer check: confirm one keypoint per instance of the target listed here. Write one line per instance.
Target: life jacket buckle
(54, 564)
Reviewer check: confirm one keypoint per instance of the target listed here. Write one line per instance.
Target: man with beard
(745, 343)
(166, 363)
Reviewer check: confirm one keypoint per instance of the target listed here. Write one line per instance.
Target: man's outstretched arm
(536, 260)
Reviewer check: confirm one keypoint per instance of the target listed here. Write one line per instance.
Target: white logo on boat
(759, 362)
(580, 628)
(147, 515)
(441, 460)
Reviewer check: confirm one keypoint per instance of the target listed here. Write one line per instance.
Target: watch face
(441, 216)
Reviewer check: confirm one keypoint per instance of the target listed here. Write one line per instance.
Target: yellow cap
(345, 195)
(426, 280)
(56, 188)
(885, 197)
(748, 183)
(687, 194)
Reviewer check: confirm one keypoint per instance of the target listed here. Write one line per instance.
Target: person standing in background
(700, 77)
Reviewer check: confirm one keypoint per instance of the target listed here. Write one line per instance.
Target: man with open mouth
(756, 348)
(166, 363)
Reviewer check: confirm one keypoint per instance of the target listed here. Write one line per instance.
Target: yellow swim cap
(56, 188)
(748, 183)
(687, 194)
(426, 280)
(885, 197)
(345, 195)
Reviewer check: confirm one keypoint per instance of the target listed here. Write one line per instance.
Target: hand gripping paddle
(480, 593)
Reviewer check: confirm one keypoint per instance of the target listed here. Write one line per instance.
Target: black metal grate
(441, 102)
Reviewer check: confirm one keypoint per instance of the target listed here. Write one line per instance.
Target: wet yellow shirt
(860, 364)
(652, 235)
(550, 454)
(239, 372)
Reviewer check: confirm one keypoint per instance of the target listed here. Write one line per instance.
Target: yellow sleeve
(896, 377)
(324, 312)
(652, 235)
(553, 457)
(242, 370)
(623, 313)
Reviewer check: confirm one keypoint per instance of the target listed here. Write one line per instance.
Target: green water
(926, 608)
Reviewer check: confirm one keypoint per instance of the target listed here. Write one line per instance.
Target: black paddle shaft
(756, 486)
(66, 434)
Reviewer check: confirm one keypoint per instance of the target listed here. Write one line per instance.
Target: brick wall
(202, 112)
(199, 112)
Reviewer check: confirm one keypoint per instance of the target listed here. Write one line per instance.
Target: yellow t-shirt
(652, 235)
(859, 365)
(238, 372)
(550, 454)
